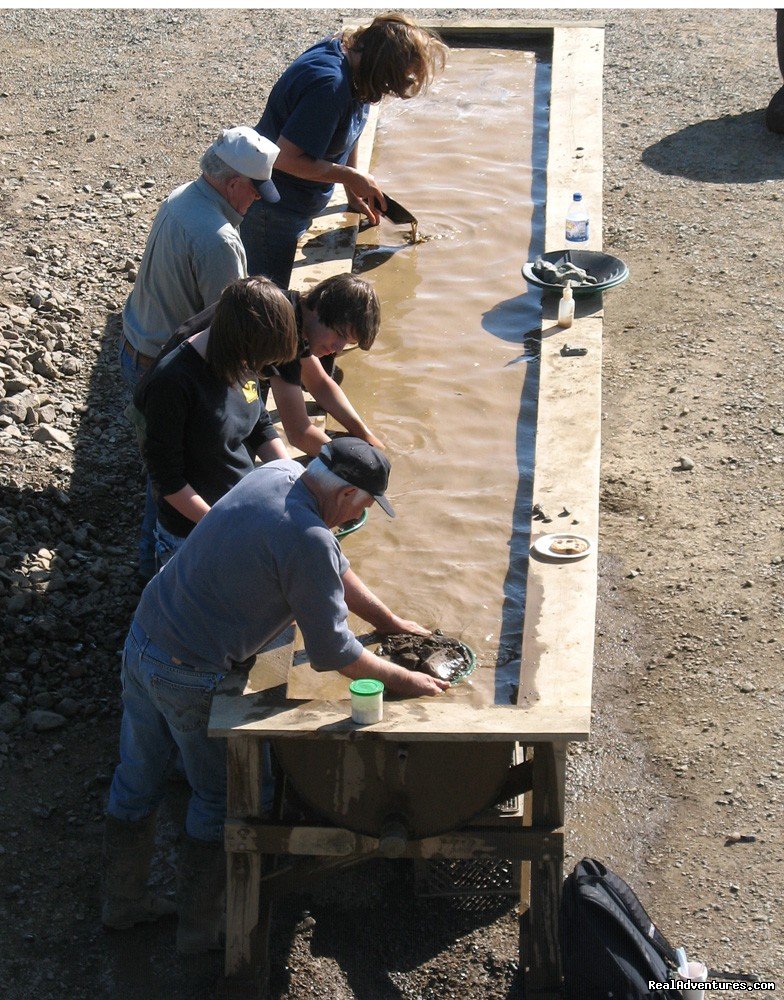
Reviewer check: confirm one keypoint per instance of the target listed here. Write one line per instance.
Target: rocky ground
(101, 114)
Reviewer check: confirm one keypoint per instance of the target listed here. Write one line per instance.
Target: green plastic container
(366, 687)
(367, 701)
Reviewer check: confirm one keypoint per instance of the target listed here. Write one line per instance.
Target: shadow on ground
(733, 149)
(371, 923)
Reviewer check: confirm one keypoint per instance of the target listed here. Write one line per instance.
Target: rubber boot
(201, 897)
(127, 851)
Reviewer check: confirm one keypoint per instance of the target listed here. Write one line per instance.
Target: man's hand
(412, 684)
(397, 680)
(398, 624)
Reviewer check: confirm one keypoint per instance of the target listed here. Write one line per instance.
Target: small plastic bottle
(566, 307)
(577, 223)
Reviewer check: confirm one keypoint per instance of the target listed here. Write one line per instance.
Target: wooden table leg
(542, 951)
(247, 937)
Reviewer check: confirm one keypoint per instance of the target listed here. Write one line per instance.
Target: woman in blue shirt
(315, 114)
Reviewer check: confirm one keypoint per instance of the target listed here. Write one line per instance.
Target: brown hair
(396, 57)
(347, 304)
(254, 326)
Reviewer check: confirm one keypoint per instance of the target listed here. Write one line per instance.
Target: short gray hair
(327, 479)
(213, 166)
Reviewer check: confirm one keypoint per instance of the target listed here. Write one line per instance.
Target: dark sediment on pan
(439, 655)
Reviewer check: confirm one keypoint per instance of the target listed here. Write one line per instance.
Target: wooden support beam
(275, 717)
(472, 843)
(247, 959)
(543, 949)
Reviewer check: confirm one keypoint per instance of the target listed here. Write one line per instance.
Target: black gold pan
(397, 214)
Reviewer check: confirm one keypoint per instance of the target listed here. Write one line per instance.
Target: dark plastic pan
(609, 271)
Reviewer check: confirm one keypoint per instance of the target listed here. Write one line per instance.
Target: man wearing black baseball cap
(262, 557)
(360, 464)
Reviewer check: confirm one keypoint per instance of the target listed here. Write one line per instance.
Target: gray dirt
(102, 113)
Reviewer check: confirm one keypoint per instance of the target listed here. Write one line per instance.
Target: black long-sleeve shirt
(198, 431)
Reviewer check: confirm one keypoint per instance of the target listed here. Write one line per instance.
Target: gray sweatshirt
(260, 559)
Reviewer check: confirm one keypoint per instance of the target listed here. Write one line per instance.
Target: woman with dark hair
(339, 312)
(203, 416)
(315, 114)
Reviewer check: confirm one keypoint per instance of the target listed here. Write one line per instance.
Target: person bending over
(315, 113)
(203, 417)
(339, 311)
(264, 557)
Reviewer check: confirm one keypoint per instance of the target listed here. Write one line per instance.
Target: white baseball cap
(251, 155)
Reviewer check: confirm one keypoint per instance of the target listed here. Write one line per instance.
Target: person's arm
(331, 398)
(292, 159)
(313, 576)
(364, 603)
(264, 441)
(188, 503)
(397, 680)
(268, 451)
(356, 203)
(300, 430)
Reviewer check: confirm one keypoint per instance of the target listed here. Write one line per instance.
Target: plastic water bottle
(577, 223)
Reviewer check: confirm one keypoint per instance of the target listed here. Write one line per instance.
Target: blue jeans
(132, 372)
(166, 544)
(166, 705)
(269, 234)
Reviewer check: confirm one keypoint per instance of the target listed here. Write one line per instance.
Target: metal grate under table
(471, 885)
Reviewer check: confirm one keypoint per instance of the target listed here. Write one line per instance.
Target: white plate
(542, 546)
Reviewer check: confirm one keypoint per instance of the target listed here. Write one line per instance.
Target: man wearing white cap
(193, 252)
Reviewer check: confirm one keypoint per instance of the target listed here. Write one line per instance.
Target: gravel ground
(102, 115)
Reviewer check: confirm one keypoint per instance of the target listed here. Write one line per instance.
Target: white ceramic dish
(542, 546)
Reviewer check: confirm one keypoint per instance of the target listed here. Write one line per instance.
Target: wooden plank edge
(508, 26)
(575, 144)
(543, 620)
(328, 720)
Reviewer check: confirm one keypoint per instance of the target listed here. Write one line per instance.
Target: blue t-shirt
(260, 559)
(312, 106)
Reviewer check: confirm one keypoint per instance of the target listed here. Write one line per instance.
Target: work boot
(774, 116)
(127, 851)
(201, 897)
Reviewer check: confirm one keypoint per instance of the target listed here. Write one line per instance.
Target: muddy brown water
(446, 385)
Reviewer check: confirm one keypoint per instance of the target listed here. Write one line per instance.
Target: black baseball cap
(360, 464)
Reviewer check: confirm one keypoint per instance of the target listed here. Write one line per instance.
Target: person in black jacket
(204, 421)
(339, 312)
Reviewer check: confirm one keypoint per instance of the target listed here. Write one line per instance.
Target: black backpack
(610, 946)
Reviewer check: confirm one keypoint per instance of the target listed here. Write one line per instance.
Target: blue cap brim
(267, 191)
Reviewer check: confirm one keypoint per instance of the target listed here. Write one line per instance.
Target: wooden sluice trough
(384, 790)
